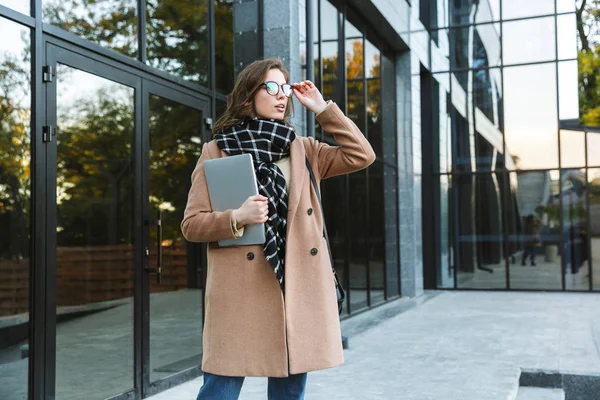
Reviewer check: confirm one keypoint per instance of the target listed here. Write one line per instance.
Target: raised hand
(309, 96)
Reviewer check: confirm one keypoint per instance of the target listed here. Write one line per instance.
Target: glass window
(376, 240)
(445, 126)
(445, 226)
(593, 143)
(390, 222)
(589, 65)
(480, 242)
(175, 145)
(565, 6)
(531, 116)
(329, 21)
(177, 38)
(335, 210)
(486, 46)
(575, 255)
(224, 52)
(593, 176)
(518, 8)
(568, 91)
(95, 263)
(111, 23)
(373, 65)
(534, 239)
(572, 149)
(354, 53)
(358, 235)
(15, 207)
(21, 6)
(521, 41)
(566, 36)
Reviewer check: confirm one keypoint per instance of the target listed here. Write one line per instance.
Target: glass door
(173, 300)
(93, 228)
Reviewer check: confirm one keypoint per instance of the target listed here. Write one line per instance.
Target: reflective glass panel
(175, 304)
(565, 6)
(333, 193)
(177, 38)
(521, 41)
(531, 116)
(572, 149)
(21, 6)
(374, 115)
(95, 251)
(534, 239)
(224, 45)
(575, 250)
(359, 240)
(594, 220)
(589, 65)
(354, 53)
(445, 126)
(479, 242)
(330, 58)
(531, 8)
(376, 238)
(15, 207)
(372, 60)
(566, 36)
(593, 143)
(390, 221)
(445, 226)
(568, 90)
(329, 21)
(111, 23)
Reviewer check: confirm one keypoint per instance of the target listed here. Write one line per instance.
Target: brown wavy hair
(240, 102)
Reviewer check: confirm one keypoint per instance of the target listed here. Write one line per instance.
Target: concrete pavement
(457, 345)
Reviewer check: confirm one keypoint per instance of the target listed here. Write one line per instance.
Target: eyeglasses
(273, 88)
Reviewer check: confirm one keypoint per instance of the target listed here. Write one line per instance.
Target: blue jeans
(217, 387)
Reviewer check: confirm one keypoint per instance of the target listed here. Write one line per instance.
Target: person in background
(532, 238)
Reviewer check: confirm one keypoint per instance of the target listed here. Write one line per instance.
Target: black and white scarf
(267, 141)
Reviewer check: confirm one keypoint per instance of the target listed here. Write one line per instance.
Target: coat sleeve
(200, 223)
(353, 152)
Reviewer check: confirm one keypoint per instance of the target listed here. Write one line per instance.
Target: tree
(588, 28)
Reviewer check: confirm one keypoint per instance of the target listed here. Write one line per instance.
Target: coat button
(250, 256)
(309, 211)
(314, 251)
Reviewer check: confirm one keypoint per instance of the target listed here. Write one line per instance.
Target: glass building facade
(511, 163)
(484, 116)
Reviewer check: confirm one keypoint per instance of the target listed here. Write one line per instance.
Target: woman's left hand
(309, 96)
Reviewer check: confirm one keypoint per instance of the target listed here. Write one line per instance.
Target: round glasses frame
(272, 88)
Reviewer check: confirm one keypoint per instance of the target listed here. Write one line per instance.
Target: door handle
(158, 268)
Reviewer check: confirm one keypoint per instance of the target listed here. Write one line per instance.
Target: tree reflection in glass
(94, 254)
(15, 198)
(109, 23)
(177, 37)
(588, 24)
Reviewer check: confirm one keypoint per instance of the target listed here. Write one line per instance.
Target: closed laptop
(231, 180)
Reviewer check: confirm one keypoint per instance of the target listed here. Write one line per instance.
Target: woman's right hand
(255, 210)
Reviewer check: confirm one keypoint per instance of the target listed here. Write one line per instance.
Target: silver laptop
(231, 180)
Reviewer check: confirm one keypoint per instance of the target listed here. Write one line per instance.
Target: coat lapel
(297, 171)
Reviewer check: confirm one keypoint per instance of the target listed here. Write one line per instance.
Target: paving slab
(458, 345)
(540, 394)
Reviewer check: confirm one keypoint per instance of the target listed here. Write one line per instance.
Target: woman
(271, 309)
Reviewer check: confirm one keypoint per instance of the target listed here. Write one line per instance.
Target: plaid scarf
(267, 141)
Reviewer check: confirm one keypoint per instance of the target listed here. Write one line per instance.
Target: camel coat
(250, 329)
